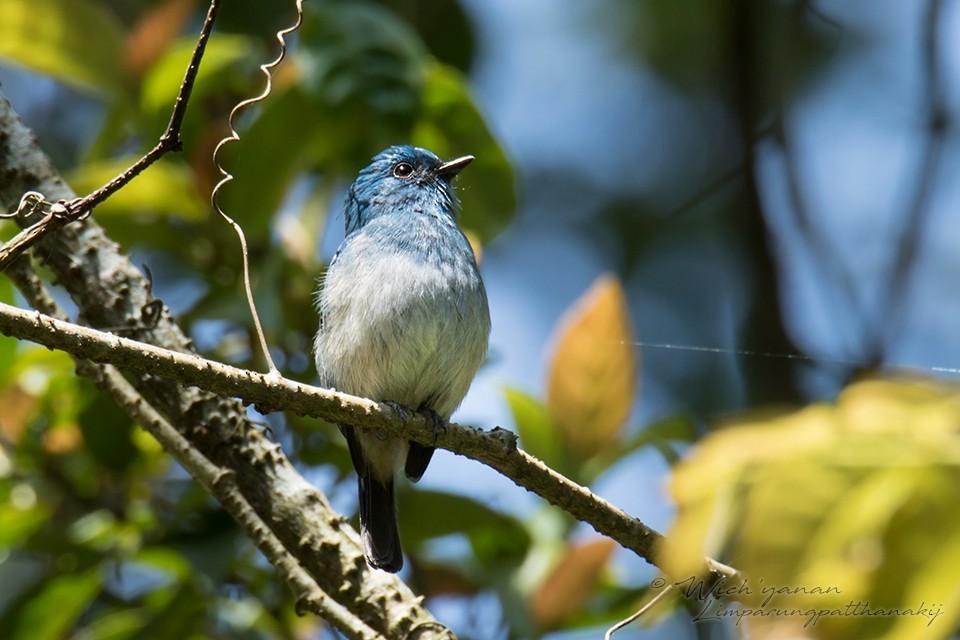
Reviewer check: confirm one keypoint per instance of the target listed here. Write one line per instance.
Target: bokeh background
(756, 198)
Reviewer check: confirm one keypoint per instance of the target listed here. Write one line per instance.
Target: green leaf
(16, 524)
(126, 624)
(8, 346)
(494, 535)
(362, 68)
(6, 291)
(75, 41)
(856, 499)
(360, 56)
(660, 434)
(166, 189)
(180, 612)
(108, 433)
(166, 559)
(450, 125)
(539, 434)
(56, 608)
(37, 369)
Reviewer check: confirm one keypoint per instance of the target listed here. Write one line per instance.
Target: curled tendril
(267, 70)
(31, 202)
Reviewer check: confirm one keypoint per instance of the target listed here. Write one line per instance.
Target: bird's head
(403, 180)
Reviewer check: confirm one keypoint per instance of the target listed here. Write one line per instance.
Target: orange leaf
(593, 375)
(62, 439)
(18, 407)
(152, 34)
(570, 583)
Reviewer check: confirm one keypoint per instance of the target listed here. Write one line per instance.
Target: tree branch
(765, 328)
(496, 449)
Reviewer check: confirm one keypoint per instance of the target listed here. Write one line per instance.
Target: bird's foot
(265, 427)
(439, 424)
(402, 410)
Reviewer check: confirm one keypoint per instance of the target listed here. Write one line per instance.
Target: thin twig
(718, 182)
(640, 612)
(496, 449)
(267, 70)
(79, 208)
(705, 192)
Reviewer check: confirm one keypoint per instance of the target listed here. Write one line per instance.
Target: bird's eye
(403, 170)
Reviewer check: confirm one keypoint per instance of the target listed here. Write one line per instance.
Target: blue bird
(403, 319)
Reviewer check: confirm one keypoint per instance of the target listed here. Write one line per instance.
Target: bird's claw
(402, 410)
(439, 424)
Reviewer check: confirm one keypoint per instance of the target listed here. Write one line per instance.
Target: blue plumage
(403, 318)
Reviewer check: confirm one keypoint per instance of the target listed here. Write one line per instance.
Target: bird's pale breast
(420, 322)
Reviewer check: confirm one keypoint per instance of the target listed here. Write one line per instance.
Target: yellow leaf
(570, 583)
(851, 502)
(476, 243)
(166, 188)
(593, 374)
(18, 407)
(62, 438)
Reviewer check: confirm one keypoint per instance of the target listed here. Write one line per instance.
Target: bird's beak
(452, 167)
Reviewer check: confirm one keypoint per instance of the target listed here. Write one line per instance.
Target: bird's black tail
(378, 524)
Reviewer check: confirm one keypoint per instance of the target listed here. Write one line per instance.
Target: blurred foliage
(59, 43)
(689, 42)
(850, 502)
(165, 190)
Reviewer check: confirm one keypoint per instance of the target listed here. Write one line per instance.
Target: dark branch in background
(111, 292)
(891, 309)
(65, 212)
(765, 328)
(496, 449)
(809, 7)
(219, 482)
(825, 257)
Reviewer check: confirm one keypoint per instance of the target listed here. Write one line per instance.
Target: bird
(404, 319)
